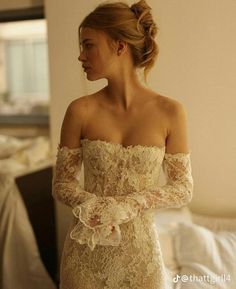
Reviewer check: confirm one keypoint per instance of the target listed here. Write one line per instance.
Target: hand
(95, 221)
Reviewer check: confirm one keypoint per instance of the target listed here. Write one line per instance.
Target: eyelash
(88, 45)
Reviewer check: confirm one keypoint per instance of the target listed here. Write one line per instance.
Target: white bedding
(19, 156)
(198, 251)
(21, 265)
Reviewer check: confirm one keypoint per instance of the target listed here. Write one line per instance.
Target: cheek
(108, 57)
(92, 55)
(100, 59)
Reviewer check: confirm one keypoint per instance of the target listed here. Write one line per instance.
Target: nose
(81, 56)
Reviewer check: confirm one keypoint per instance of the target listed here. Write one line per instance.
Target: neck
(123, 90)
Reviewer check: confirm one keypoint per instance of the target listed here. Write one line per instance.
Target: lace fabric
(120, 192)
(109, 211)
(65, 183)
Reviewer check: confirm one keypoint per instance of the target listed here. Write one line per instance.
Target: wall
(66, 79)
(19, 4)
(196, 66)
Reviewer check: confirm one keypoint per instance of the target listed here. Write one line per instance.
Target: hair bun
(143, 13)
(139, 7)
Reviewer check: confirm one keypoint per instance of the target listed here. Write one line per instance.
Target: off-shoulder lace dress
(122, 192)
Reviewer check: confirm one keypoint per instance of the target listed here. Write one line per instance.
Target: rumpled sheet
(21, 266)
(18, 155)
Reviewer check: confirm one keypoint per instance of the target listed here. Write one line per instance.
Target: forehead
(87, 33)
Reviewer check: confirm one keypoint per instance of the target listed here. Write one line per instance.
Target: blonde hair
(134, 25)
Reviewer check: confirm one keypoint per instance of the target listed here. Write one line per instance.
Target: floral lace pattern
(121, 190)
(65, 183)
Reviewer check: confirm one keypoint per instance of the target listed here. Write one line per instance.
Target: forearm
(121, 209)
(65, 185)
(99, 219)
(70, 194)
(167, 196)
(176, 193)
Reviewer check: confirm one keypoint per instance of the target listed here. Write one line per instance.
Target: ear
(122, 47)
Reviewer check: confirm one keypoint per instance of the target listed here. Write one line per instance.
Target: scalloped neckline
(123, 147)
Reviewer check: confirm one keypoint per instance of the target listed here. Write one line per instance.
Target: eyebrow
(87, 39)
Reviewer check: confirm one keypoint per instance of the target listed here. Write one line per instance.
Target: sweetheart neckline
(123, 147)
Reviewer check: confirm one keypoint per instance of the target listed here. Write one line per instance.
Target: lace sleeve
(110, 212)
(178, 190)
(65, 183)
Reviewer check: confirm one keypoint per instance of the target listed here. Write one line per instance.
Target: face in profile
(97, 57)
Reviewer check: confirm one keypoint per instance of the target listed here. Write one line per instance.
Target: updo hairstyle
(134, 25)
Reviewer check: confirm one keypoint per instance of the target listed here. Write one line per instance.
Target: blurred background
(40, 75)
(28, 245)
(24, 91)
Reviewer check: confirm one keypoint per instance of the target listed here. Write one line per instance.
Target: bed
(27, 219)
(199, 251)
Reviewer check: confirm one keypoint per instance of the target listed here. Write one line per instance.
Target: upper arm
(177, 139)
(72, 124)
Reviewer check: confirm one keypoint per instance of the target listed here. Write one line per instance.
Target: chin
(94, 77)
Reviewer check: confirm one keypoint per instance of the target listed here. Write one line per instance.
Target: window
(24, 87)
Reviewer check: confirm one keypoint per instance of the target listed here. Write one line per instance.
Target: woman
(123, 134)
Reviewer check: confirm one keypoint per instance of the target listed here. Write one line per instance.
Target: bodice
(112, 169)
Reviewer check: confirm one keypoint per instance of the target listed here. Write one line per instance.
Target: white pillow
(201, 252)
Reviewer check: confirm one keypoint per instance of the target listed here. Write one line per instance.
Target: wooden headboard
(35, 189)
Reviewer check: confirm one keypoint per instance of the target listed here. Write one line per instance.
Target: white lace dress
(121, 192)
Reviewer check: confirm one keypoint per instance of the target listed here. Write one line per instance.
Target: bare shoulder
(83, 107)
(172, 108)
(79, 106)
(176, 117)
(73, 122)
(169, 104)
